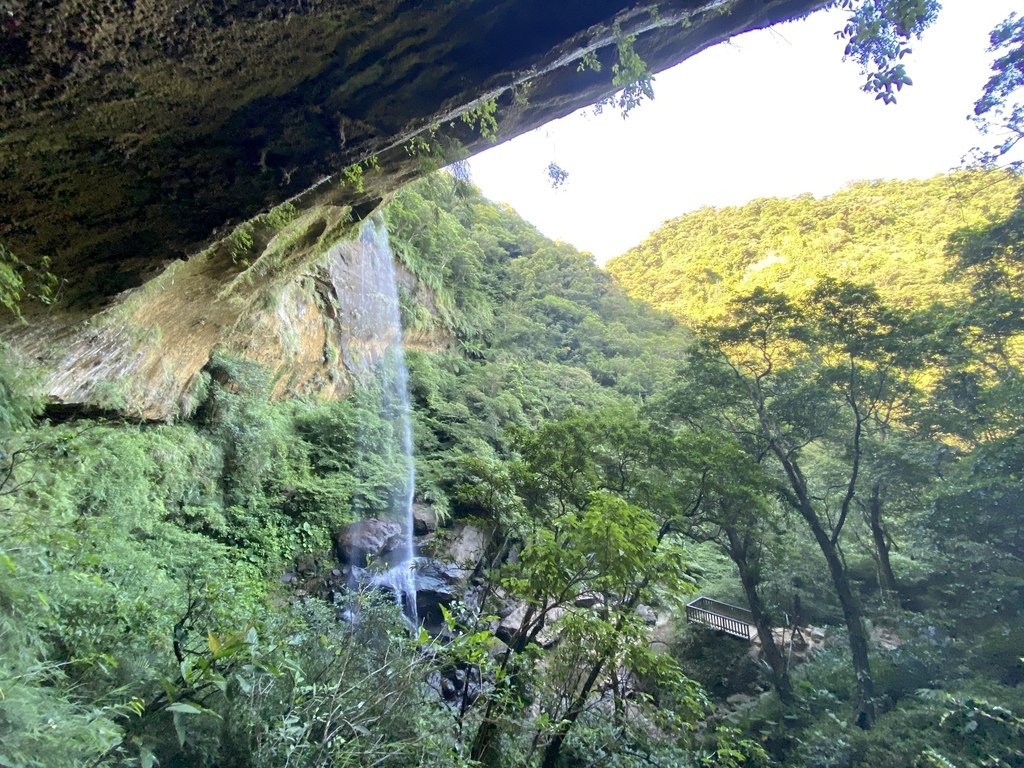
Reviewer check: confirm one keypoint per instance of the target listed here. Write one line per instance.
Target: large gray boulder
(424, 519)
(511, 621)
(366, 540)
(466, 546)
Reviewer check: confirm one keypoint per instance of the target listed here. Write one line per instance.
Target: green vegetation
(828, 434)
(274, 220)
(19, 281)
(878, 32)
(890, 234)
(996, 111)
(630, 73)
(482, 120)
(819, 419)
(143, 617)
(862, 354)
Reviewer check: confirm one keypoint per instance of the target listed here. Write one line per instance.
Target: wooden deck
(730, 619)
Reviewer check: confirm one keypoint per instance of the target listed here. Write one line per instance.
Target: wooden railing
(721, 616)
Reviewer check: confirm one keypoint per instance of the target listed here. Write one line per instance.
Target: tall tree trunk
(739, 553)
(554, 748)
(886, 576)
(852, 614)
(858, 634)
(483, 746)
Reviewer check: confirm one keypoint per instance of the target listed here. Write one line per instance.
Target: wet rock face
(366, 540)
(447, 575)
(424, 519)
(133, 134)
(465, 546)
(437, 584)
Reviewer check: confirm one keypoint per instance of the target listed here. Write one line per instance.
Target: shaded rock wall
(287, 309)
(137, 135)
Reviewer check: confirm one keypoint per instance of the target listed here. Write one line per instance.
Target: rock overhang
(136, 133)
(187, 168)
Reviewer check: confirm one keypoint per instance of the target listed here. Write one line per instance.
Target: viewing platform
(730, 619)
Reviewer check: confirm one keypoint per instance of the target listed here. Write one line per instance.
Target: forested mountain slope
(843, 459)
(865, 352)
(143, 616)
(892, 234)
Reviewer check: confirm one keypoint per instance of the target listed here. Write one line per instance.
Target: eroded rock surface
(424, 519)
(465, 546)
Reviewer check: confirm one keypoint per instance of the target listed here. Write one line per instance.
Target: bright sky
(772, 113)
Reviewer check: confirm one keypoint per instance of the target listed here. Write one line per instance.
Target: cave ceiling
(134, 133)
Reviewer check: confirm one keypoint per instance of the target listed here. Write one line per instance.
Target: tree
(791, 380)
(765, 351)
(734, 510)
(589, 559)
(874, 352)
(994, 112)
(878, 32)
(979, 395)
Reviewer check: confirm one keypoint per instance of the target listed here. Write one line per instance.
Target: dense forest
(894, 235)
(818, 418)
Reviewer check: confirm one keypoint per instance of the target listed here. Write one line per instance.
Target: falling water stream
(374, 346)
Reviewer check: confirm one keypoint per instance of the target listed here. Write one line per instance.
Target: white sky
(772, 113)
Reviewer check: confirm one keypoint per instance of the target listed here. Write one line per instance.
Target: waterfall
(372, 348)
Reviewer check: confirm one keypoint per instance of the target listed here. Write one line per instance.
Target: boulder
(512, 616)
(548, 636)
(497, 649)
(589, 600)
(437, 584)
(513, 620)
(366, 540)
(647, 614)
(465, 546)
(738, 700)
(448, 689)
(424, 519)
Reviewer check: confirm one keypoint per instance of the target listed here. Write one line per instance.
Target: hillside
(161, 584)
(892, 234)
(225, 589)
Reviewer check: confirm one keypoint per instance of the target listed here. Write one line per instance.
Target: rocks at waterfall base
(367, 548)
(446, 576)
(465, 546)
(366, 540)
(454, 685)
(424, 519)
(511, 620)
(365, 553)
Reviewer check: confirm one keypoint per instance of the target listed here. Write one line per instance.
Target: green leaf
(179, 728)
(185, 707)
